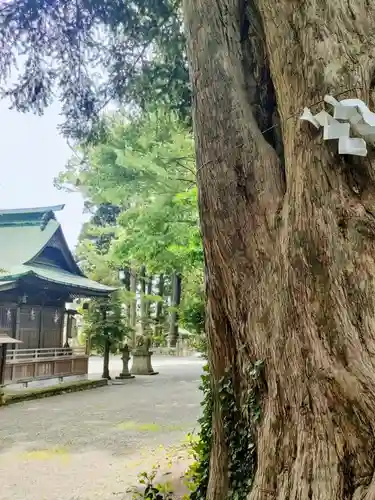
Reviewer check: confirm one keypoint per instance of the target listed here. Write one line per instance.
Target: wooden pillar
(17, 332)
(3, 355)
(68, 328)
(40, 327)
(64, 327)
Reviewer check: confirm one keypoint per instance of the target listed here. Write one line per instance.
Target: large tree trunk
(289, 238)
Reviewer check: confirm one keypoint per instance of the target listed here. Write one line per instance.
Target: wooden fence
(25, 365)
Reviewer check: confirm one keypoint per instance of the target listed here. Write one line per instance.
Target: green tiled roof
(57, 276)
(25, 213)
(24, 233)
(19, 244)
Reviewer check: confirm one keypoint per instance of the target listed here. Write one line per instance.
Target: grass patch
(138, 426)
(129, 425)
(47, 454)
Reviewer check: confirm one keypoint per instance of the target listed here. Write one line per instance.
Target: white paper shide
(349, 115)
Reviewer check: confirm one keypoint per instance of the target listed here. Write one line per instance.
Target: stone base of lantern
(124, 376)
(142, 363)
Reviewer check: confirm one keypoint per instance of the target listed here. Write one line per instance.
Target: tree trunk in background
(148, 292)
(289, 238)
(106, 346)
(159, 307)
(143, 313)
(127, 272)
(175, 303)
(133, 305)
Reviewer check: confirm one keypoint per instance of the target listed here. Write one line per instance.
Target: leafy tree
(192, 315)
(287, 225)
(93, 53)
(94, 243)
(95, 239)
(145, 165)
(98, 326)
(163, 232)
(105, 324)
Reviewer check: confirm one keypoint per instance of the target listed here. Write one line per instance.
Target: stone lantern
(125, 374)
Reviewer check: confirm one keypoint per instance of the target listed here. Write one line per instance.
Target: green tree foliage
(143, 176)
(192, 314)
(95, 241)
(145, 166)
(91, 53)
(92, 251)
(162, 231)
(92, 254)
(104, 220)
(113, 324)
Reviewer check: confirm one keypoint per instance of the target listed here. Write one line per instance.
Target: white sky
(32, 153)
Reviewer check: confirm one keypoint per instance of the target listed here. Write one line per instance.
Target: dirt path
(92, 445)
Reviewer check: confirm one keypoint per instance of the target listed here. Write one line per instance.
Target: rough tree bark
(289, 237)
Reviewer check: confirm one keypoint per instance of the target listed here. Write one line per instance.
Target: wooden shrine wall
(52, 324)
(29, 324)
(7, 319)
(36, 326)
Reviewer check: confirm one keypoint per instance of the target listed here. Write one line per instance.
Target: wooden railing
(32, 354)
(25, 365)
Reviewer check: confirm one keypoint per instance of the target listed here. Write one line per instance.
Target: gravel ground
(92, 445)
